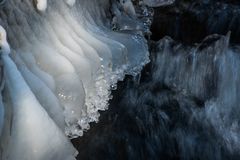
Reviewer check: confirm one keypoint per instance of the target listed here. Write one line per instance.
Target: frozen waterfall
(64, 60)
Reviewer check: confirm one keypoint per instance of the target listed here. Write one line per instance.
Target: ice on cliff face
(62, 65)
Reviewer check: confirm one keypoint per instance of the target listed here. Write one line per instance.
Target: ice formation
(128, 7)
(70, 2)
(157, 3)
(62, 65)
(41, 5)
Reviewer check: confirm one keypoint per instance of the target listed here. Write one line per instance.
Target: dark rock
(191, 21)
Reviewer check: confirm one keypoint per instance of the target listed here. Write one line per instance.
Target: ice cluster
(65, 58)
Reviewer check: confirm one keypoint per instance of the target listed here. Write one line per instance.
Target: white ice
(59, 73)
(41, 5)
(70, 2)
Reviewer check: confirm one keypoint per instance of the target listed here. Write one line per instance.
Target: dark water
(190, 21)
(185, 104)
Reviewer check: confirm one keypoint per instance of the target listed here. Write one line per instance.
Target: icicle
(128, 8)
(5, 49)
(41, 5)
(70, 2)
(157, 3)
